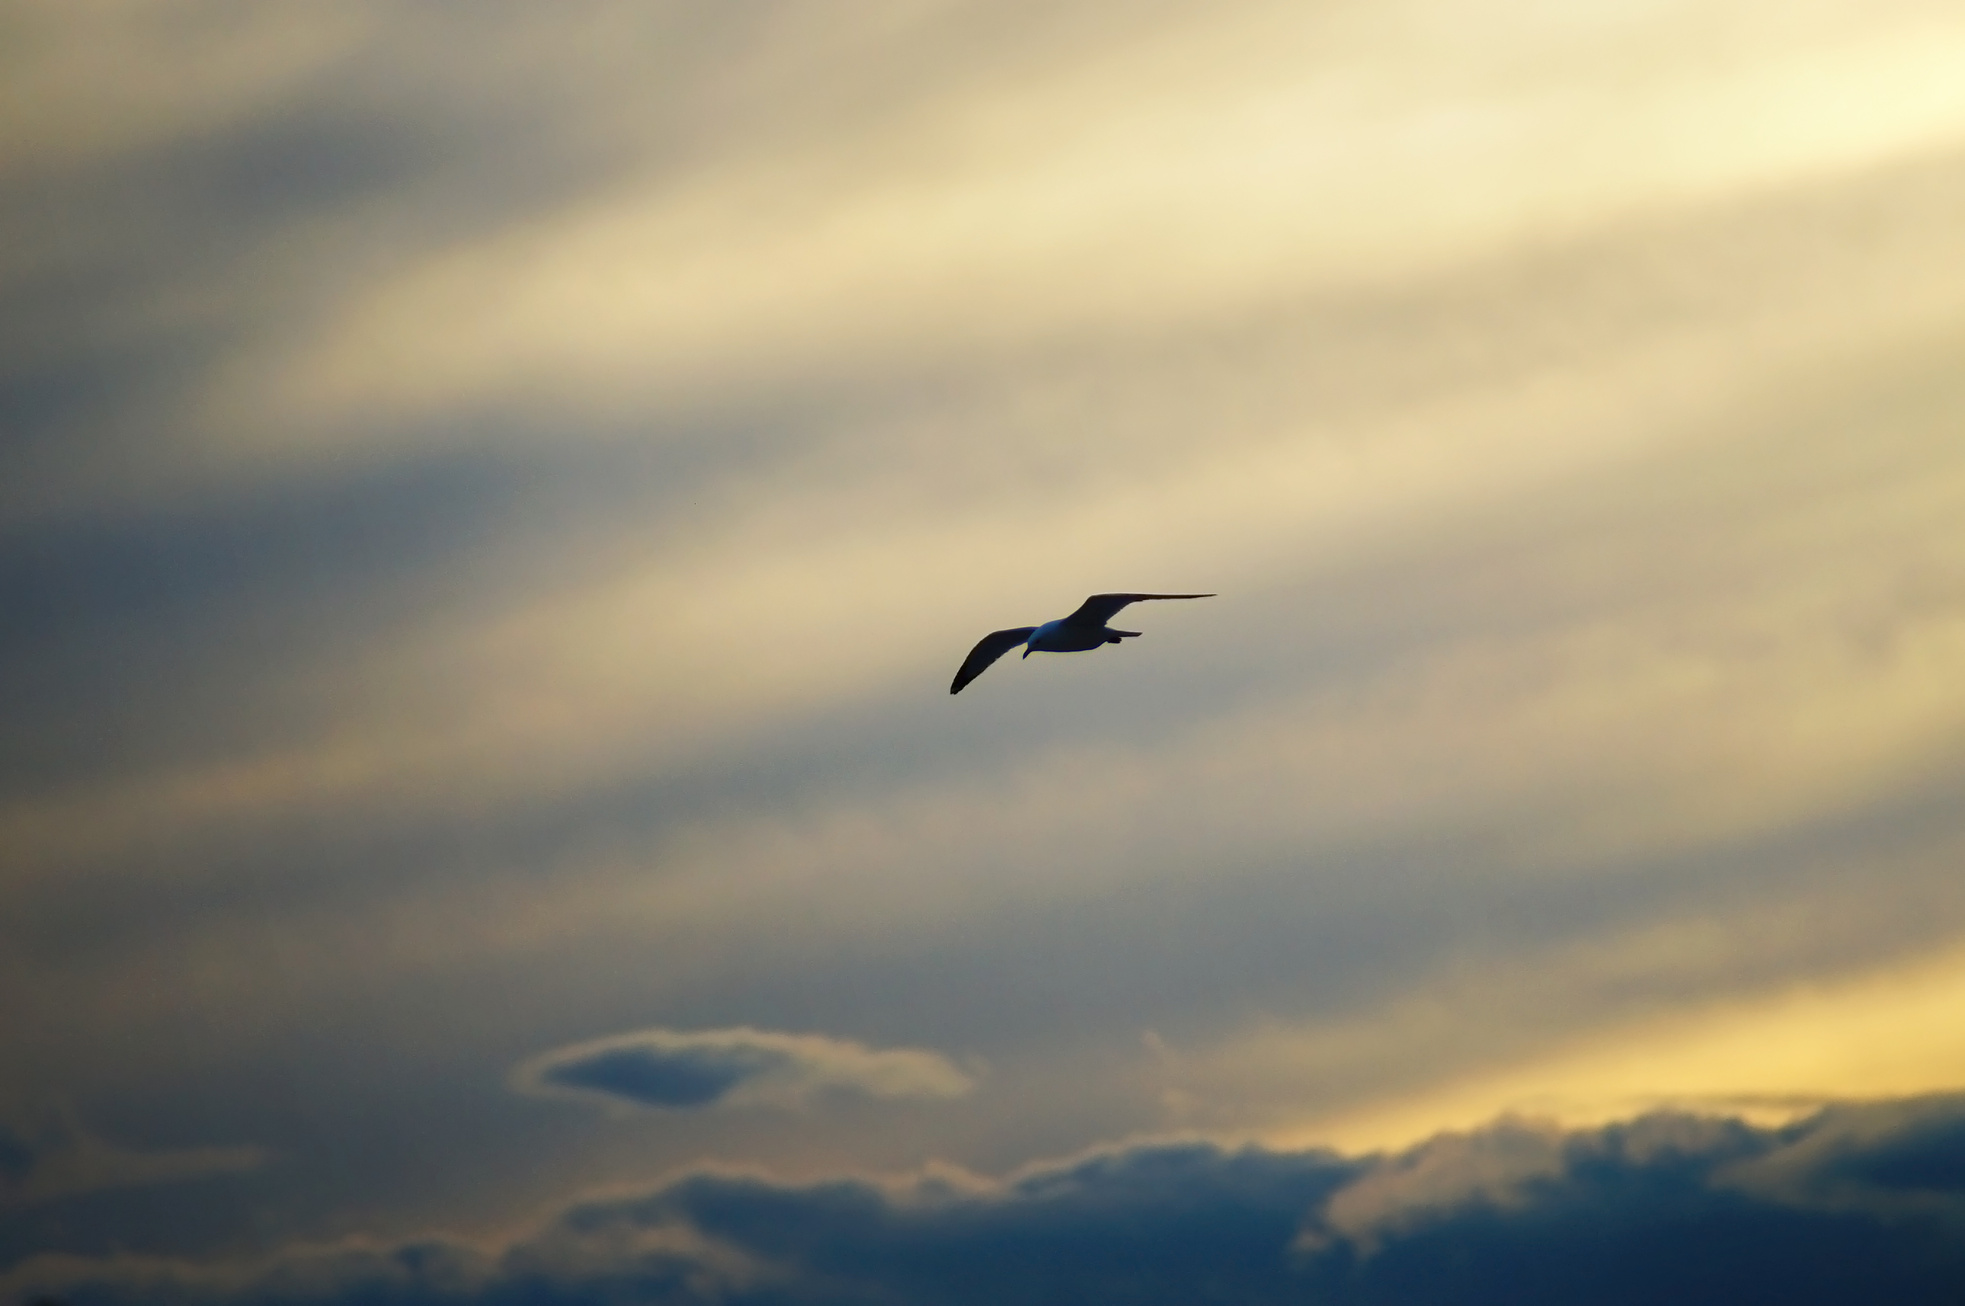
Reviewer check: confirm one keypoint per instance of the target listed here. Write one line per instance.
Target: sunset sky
(492, 497)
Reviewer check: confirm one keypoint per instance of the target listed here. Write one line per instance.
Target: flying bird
(1081, 630)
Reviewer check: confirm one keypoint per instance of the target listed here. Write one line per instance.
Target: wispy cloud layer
(53, 1158)
(492, 497)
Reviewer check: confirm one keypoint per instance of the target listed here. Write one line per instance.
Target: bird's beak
(1026, 650)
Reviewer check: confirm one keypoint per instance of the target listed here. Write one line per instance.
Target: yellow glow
(1896, 1033)
(1161, 183)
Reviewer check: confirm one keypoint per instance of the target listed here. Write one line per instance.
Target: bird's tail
(1114, 636)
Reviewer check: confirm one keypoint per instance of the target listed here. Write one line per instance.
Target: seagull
(1081, 630)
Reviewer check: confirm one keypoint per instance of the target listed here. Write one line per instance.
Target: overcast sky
(492, 497)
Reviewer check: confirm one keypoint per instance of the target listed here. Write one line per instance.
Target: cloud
(1664, 1207)
(493, 492)
(677, 1070)
(1287, 170)
(55, 1157)
(1507, 1168)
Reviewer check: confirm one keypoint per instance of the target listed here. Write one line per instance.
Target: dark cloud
(1663, 1208)
(698, 1068)
(679, 1077)
(16, 1156)
(1930, 1159)
(55, 1158)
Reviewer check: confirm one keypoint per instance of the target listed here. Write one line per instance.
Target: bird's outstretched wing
(1101, 608)
(992, 646)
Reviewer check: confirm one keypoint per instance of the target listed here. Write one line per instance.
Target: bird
(1083, 629)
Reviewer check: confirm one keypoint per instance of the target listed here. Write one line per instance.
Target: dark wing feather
(1101, 608)
(992, 646)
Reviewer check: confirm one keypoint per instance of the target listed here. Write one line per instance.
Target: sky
(491, 499)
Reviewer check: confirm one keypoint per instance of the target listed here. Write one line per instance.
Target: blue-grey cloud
(684, 1069)
(653, 1076)
(16, 1156)
(54, 1157)
(1666, 1207)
